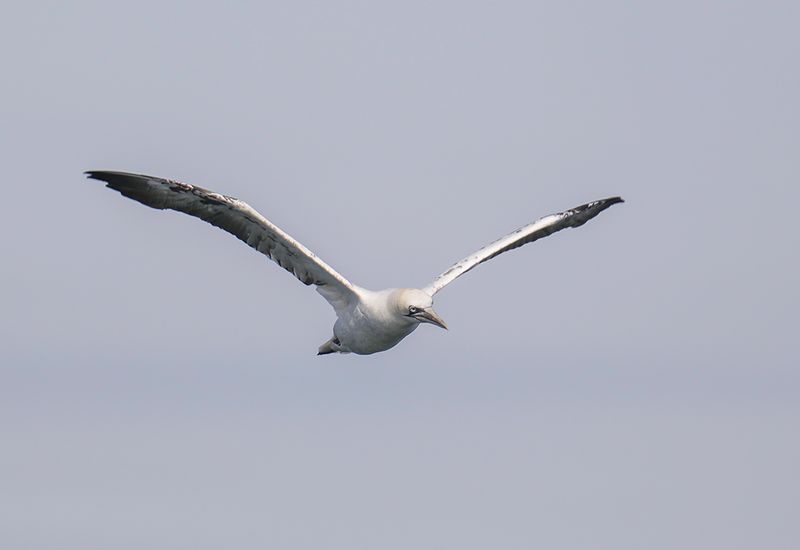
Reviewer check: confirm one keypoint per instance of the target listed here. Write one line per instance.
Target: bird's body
(367, 321)
(367, 327)
(374, 322)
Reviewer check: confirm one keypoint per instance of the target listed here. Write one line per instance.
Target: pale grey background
(631, 384)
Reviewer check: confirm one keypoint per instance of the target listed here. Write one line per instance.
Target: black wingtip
(609, 202)
(101, 175)
(105, 175)
(119, 181)
(133, 186)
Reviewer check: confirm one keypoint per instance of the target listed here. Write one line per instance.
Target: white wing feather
(524, 235)
(239, 219)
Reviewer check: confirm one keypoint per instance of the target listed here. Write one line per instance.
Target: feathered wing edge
(237, 218)
(543, 227)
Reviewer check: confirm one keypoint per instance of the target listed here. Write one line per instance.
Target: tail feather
(328, 347)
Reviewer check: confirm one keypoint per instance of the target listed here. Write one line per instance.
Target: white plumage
(367, 321)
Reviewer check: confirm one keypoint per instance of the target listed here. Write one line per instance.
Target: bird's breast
(363, 332)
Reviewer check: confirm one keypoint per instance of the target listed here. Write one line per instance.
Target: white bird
(367, 321)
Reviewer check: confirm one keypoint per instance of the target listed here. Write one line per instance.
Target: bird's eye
(412, 310)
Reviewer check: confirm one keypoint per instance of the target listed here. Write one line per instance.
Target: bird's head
(416, 306)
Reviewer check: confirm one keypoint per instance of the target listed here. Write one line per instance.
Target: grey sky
(630, 384)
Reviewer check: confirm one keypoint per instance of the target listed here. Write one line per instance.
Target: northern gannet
(367, 321)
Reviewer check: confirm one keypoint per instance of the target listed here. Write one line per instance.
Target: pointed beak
(430, 316)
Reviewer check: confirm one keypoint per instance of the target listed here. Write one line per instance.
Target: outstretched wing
(239, 219)
(524, 235)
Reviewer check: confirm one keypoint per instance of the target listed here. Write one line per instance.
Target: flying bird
(367, 321)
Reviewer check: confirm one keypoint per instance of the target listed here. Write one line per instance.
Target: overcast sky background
(630, 384)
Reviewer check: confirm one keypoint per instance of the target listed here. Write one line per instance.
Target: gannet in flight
(367, 321)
